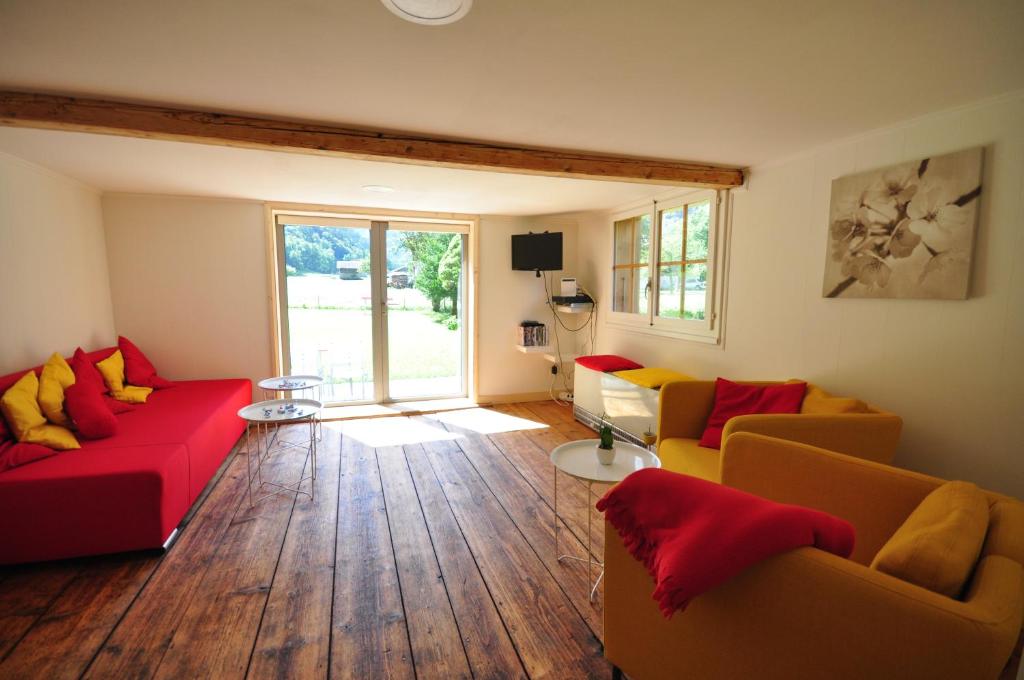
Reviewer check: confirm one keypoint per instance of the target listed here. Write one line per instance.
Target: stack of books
(532, 334)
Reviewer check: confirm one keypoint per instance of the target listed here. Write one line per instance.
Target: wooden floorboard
(294, 639)
(489, 648)
(418, 560)
(369, 635)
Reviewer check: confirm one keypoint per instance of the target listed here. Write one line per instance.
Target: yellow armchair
(811, 614)
(684, 407)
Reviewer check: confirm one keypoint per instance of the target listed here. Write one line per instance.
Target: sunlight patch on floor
(486, 421)
(398, 431)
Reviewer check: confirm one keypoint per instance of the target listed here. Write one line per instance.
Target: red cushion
(606, 363)
(88, 412)
(15, 454)
(137, 368)
(86, 373)
(117, 406)
(733, 399)
(5, 432)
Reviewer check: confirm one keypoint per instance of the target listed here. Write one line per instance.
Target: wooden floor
(428, 553)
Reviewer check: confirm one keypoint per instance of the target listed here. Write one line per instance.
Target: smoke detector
(429, 12)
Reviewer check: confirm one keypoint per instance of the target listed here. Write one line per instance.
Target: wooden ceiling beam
(24, 109)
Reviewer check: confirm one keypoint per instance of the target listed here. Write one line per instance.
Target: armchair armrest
(810, 614)
(872, 436)
(683, 408)
(875, 498)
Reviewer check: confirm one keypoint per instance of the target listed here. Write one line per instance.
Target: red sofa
(126, 492)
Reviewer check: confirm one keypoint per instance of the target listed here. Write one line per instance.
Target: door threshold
(402, 408)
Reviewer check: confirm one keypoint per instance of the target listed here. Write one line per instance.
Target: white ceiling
(123, 164)
(730, 81)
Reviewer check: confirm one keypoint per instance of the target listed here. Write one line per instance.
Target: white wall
(189, 282)
(953, 369)
(509, 297)
(54, 291)
(188, 278)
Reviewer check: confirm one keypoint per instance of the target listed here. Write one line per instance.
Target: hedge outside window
(683, 261)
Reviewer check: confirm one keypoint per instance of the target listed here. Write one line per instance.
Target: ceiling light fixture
(378, 188)
(429, 12)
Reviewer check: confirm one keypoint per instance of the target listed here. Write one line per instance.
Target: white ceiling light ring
(429, 12)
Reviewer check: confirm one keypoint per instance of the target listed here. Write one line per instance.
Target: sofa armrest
(872, 436)
(683, 408)
(810, 614)
(875, 498)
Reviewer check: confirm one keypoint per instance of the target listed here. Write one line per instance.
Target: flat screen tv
(537, 252)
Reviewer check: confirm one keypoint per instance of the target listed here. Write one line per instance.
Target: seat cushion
(606, 363)
(201, 414)
(688, 457)
(652, 378)
(939, 543)
(92, 501)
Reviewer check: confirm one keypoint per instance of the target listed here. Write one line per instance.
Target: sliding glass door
(376, 308)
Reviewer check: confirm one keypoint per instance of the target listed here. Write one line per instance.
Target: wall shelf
(535, 349)
(575, 308)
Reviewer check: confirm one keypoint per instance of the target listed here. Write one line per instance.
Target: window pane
(696, 291)
(698, 220)
(671, 249)
(670, 289)
(643, 289)
(643, 232)
(624, 242)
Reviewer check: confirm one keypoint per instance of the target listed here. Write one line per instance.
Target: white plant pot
(605, 456)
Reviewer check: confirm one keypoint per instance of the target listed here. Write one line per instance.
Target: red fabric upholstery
(129, 491)
(14, 454)
(606, 363)
(733, 399)
(692, 534)
(92, 418)
(137, 368)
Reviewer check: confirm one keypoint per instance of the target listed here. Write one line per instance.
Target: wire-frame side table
(260, 442)
(282, 386)
(579, 459)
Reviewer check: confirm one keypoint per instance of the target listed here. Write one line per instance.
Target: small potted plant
(606, 447)
(650, 436)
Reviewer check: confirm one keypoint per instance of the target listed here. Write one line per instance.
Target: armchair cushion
(819, 402)
(938, 545)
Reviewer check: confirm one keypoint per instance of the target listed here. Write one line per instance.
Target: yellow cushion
(20, 407)
(687, 457)
(56, 377)
(653, 378)
(112, 370)
(939, 543)
(819, 402)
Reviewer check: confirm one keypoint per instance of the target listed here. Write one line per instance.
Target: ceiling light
(378, 188)
(430, 12)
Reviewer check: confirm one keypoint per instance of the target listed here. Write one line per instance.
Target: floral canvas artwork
(906, 231)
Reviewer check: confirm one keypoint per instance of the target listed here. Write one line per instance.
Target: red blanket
(693, 535)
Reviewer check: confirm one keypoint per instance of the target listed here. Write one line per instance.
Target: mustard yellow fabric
(684, 407)
(56, 377)
(819, 402)
(112, 370)
(938, 545)
(810, 614)
(652, 378)
(20, 407)
(687, 457)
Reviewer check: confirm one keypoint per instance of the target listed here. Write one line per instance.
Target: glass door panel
(329, 296)
(425, 294)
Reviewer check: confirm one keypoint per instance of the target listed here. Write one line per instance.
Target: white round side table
(295, 386)
(579, 459)
(278, 412)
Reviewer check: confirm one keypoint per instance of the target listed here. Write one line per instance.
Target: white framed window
(667, 268)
